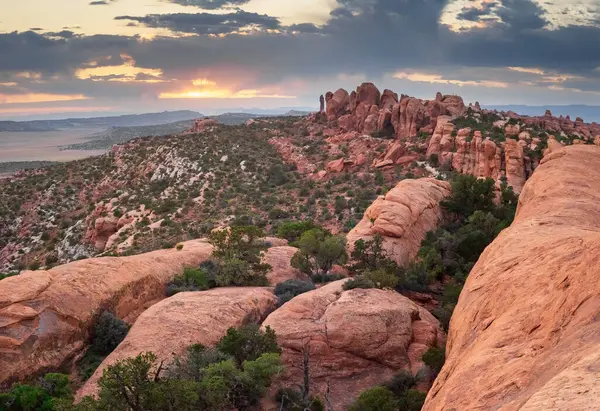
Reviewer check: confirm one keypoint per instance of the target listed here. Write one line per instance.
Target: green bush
(289, 289)
(108, 333)
(434, 358)
(319, 251)
(413, 400)
(248, 342)
(293, 230)
(192, 279)
(375, 399)
(358, 282)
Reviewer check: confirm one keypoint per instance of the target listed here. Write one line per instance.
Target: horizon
(156, 55)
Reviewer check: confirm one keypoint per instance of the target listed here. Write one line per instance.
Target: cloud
(210, 4)
(102, 2)
(367, 39)
(207, 23)
(475, 14)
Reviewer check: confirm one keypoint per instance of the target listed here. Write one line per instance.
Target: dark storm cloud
(366, 37)
(210, 4)
(475, 14)
(206, 23)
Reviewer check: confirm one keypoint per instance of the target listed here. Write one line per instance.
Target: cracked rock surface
(356, 339)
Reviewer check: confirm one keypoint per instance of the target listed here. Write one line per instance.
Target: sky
(96, 57)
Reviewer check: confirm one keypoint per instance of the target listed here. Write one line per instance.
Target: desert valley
(382, 253)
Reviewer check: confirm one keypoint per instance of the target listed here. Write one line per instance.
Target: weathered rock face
(388, 100)
(515, 164)
(442, 142)
(403, 216)
(169, 327)
(408, 117)
(45, 315)
(279, 259)
(337, 103)
(356, 339)
(368, 94)
(525, 335)
(475, 156)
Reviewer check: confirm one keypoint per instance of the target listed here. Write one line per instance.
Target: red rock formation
(201, 125)
(515, 164)
(403, 216)
(169, 327)
(337, 104)
(524, 334)
(321, 104)
(388, 100)
(336, 166)
(408, 117)
(368, 94)
(475, 156)
(356, 339)
(45, 316)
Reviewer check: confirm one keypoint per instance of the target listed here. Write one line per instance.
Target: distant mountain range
(131, 120)
(587, 113)
(135, 120)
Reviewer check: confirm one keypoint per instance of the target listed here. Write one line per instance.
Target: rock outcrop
(279, 258)
(45, 316)
(356, 339)
(169, 327)
(524, 334)
(403, 216)
(201, 125)
(337, 103)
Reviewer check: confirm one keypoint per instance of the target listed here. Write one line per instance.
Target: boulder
(524, 334)
(337, 103)
(369, 94)
(45, 316)
(336, 166)
(347, 122)
(355, 339)
(388, 100)
(454, 105)
(279, 259)
(403, 216)
(169, 327)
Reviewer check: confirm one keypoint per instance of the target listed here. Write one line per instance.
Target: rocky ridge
(45, 316)
(524, 334)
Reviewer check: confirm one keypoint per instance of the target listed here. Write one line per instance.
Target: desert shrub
(289, 289)
(434, 160)
(293, 230)
(179, 247)
(319, 251)
(375, 399)
(469, 194)
(108, 333)
(401, 383)
(358, 282)
(434, 358)
(248, 342)
(39, 397)
(192, 279)
(413, 400)
(382, 278)
(238, 253)
(370, 255)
